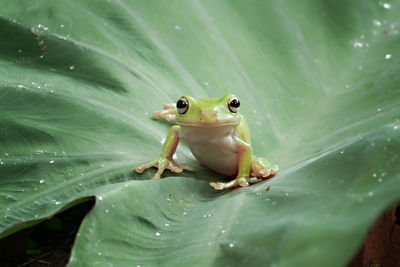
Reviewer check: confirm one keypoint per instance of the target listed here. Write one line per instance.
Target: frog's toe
(142, 168)
(157, 115)
(186, 167)
(234, 183)
(274, 169)
(170, 117)
(177, 168)
(217, 186)
(265, 172)
(242, 182)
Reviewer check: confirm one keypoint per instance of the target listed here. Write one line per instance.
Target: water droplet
(62, 25)
(385, 5)
(379, 110)
(377, 23)
(41, 181)
(100, 197)
(206, 83)
(51, 92)
(177, 27)
(388, 56)
(106, 210)
(341, 152)
(223, 231)
(51, 161)
(158, 233)
(380, 180)
(166, 224)
(99, 253)
(370, 194)
(231, 245)
(71, 67)
(358, 44)
(58, 202)
(374, 175)
(20, 51)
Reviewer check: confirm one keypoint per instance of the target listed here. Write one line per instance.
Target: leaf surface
(318, 82)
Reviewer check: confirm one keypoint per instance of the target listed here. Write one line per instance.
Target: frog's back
(215, 147)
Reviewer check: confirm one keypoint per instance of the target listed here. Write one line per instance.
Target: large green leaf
(319, 86)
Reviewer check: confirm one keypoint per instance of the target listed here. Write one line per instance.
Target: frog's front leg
(165, 160)
(244, 166)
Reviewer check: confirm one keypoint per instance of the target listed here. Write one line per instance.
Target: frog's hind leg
(169, 112)
(262, 168)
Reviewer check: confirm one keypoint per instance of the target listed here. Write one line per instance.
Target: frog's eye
(233, 104)
(182, 105)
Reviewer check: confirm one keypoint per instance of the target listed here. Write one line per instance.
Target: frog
(218, 137)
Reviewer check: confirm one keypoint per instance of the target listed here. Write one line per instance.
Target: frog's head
(208, 111)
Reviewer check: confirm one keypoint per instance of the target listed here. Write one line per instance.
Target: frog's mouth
(213, 124)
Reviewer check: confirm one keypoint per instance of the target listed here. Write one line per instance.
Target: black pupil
(181, 104)
(234, 103)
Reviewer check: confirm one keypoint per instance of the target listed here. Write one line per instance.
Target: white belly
(214, 147)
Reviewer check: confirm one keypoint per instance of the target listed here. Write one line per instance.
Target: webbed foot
(238, 182)
(169, 112)
(262, 169)
(161, 164)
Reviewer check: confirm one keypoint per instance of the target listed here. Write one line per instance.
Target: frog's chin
(214, 124)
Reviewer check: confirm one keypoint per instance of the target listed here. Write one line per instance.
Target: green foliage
(319, 86)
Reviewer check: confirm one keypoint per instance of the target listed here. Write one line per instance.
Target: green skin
(208, 117)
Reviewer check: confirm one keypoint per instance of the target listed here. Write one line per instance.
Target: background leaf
(319, 87)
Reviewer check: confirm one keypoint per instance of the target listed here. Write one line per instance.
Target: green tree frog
(218, 137)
